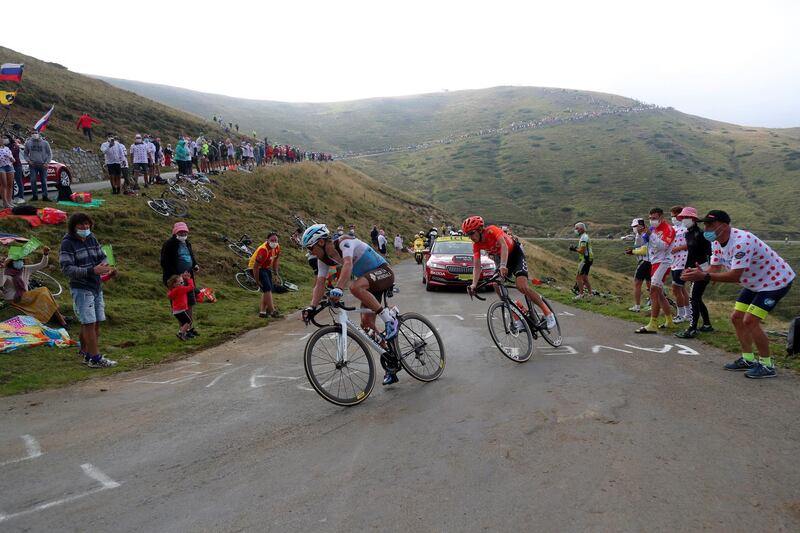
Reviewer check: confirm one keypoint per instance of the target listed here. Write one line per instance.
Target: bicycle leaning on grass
(514, 325)
(338, 359)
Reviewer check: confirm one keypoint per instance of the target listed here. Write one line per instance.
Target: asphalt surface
(612, 432)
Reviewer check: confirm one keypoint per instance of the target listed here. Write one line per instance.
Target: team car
(449, 263)
(56, 173)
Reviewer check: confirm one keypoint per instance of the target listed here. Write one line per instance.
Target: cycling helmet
(471, 224)
(314, 233)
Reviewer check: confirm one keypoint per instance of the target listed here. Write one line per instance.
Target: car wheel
(15, 193)
(429, 287)
(65, 178)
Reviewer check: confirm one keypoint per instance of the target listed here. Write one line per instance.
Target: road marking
(565, 313)
(257, 374)
(561, 350)
(685, 350)
(31, 446)
(303, 387)
(457, 316)
(91, 471)
(303, 336)
(214, 381)
(596, 349)
(187, 374)
(479, 317)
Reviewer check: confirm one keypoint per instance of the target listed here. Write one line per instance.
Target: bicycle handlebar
(488, 281)
(310, 314)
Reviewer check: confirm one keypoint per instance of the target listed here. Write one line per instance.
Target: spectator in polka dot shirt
(765, 278)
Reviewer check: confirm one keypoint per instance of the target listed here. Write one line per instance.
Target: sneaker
(706, 328)
(391, 329)
(390, 378)
(19, 201)
(263, 315)
(678, 319)
(760, 371)
(192, 333)
(101, 362)
(551, 321)
(578, 297)
(46, 199)
(689, 333)
(86, 356)
(182, 336)
(635, 308)
(741, 364)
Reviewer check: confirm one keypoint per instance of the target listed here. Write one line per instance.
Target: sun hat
(688, 212)
(180, 226)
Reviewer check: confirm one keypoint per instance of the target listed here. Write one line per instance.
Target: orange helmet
(472, 223)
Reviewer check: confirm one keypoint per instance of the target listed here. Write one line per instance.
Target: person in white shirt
(678, 262)
(382, 243)
(398, 243)
(151, 160)
(114, 154)
(139, 160)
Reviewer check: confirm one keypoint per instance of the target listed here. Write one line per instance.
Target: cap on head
(580, 225)
(716, 215)
(180, 226)
(637, 222)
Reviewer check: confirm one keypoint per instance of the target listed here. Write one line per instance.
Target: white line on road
(561, 350)
(303, 387)
(479, 317)
(214, 381)
(596, 349)
(456, 316)
(257, 374)
(91, 471)
(303, 336)
(31, 446)
(565, 313)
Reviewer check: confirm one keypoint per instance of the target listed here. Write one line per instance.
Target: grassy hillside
(607, 170)
(380, 122)
(121, 111)
(140, 330)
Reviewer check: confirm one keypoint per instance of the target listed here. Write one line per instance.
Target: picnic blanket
(24, 331)
(96, 202)
(11, 238)
(33, 220)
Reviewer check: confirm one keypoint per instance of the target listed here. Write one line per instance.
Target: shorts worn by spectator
(265, 262)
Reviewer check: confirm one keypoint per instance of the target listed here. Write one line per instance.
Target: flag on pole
(7, 97)
(11, 71)
(41, 124)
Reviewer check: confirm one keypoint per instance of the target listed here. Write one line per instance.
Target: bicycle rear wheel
(235, 248)
(41, 279)
(159, 207)
(344, 383)
(246, 281)
(551, 336)
(205, 193)
(510, 331)
(176, 208)
(419, 347)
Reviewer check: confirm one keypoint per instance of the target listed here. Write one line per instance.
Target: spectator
(765, 279)
(398, 243)
(114, 154)
(168, 155)
(180, 287)
(584, 250)
(140, 161)
(373, 235)
(85, 123)
(39, 155)
(382, 242)
(183, 158)
(130, 185)
(83, 262)
(678, 262)
(264, 263)
(14, 146)
(698, 254)
(659, 237)
(39, 302)
(642, 274)
(6, 171)
(352, 230)
(177, 257)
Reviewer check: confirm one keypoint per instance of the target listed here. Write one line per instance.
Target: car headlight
(440, 266)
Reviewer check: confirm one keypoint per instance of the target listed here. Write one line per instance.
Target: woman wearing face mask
(15, 276)
(264, 264)
(6, 171)
(698, 250)
(177, 257)
(83, 262)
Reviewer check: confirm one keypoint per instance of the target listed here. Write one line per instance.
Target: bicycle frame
(504, 296)
(346, 324)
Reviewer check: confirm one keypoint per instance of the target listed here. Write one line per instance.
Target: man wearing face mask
(698, 251)
(39, 155)
(264, 263)
(114, 153)
(177, 257)
(659, 237)
(765, 279)
(139, 162)
(584, 250)
(642, 274)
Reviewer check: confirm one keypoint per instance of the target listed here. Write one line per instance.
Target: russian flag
(11, 71)
(41, 124)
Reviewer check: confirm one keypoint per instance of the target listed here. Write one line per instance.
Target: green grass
(140, 330)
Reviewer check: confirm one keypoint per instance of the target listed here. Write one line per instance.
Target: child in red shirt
(179, 288)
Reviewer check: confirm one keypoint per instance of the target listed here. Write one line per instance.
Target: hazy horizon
(730, 61)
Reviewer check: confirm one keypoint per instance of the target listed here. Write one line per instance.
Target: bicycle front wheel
(419, 347)
(176, 208)
(159, 207)
(235, 248)
(205, 193)
(41, 279)
(344, 379)
(510, 331)
(551, 336)
(246, 281)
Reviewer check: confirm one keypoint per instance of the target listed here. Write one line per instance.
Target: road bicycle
(42, 279)
(241, 247)
(181, 190)
(166, 206)
(193, 185)
(300, 226)
(338, 357)
(244, 277)
(514, 325)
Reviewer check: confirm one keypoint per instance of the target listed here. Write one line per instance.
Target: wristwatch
(708, 276)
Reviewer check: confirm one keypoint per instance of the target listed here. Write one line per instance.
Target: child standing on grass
(179, 287)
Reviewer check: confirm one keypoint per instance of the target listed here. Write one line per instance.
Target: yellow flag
(7, 97)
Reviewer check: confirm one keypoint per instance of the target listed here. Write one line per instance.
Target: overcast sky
(729, 60)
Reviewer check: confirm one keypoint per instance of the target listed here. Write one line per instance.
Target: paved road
(614, 432)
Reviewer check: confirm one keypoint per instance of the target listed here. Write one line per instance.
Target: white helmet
(314, 233)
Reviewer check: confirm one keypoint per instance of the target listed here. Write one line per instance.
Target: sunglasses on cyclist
(471, 233)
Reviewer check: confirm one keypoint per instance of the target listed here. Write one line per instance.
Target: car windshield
(452, 247)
